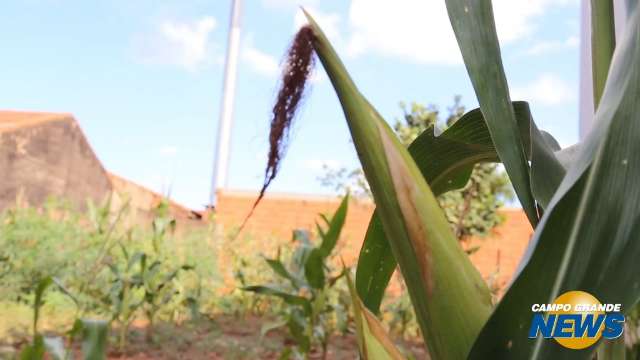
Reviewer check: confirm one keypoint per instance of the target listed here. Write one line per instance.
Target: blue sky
(144, 77)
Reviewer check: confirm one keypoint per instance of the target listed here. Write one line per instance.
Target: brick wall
(277, 215)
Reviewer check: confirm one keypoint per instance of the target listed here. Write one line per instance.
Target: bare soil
(226, 337)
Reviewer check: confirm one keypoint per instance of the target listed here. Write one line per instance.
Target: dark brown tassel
(298, 67)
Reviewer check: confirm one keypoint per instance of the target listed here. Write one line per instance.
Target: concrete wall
(44, 155)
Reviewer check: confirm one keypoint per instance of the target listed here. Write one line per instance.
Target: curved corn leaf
(474, 27)
(546, 170)
(314, 269)
(567, 155)
(278, 267)
(376, 265)
(314, 264)
(288, 298)
(588, 237)
(270, 326)
(612, 349)
(373, 341)
(331, 236)
(440, 278)
(41, 287)
(65, 291)
(95, 334)
(296, 324)
(603, 42)
(35, 350)
(446, 162)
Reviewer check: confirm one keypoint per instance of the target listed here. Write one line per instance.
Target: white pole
(586, 76)
(221, 162)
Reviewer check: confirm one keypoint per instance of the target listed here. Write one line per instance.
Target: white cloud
(516, 19)
(259, 61)
(419, 30)
(544, 47)
(184, 44)
(416, 30)
(547, 89)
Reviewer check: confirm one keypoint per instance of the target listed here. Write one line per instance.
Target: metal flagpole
(221, 160)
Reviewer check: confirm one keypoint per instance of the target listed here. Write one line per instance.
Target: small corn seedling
(582, 201)
(306, 285)
(143, 280)
(93, 333)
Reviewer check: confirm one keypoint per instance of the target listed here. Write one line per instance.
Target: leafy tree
(471, 210)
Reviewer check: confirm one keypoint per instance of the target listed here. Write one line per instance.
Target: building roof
(11, 119)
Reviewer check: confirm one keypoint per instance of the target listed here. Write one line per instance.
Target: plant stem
(123, 337)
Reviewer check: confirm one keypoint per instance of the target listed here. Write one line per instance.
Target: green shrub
(114, 270)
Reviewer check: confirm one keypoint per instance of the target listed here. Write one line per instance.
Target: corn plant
(143, 281)
(305, 286)
(94, 333)
(402, 318)
(5, 265)
(580, 200)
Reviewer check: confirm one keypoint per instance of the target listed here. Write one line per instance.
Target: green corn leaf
(474, 27)
(446, 162)
(288, 298)
(546, 172)
(297, 328)
(65, 291)
(588, 237)
(41, 287)
(138, 257)
(278, 267)
(314, 269)
(172, 275)
(35, 350)
(75, 331)
(440, 278)
(567, 155)
(270, 326)
(373, 341)
(95, 334)
(314, 265)
(603, 43)
(612, 349)
(376, 265)
(331, 236)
